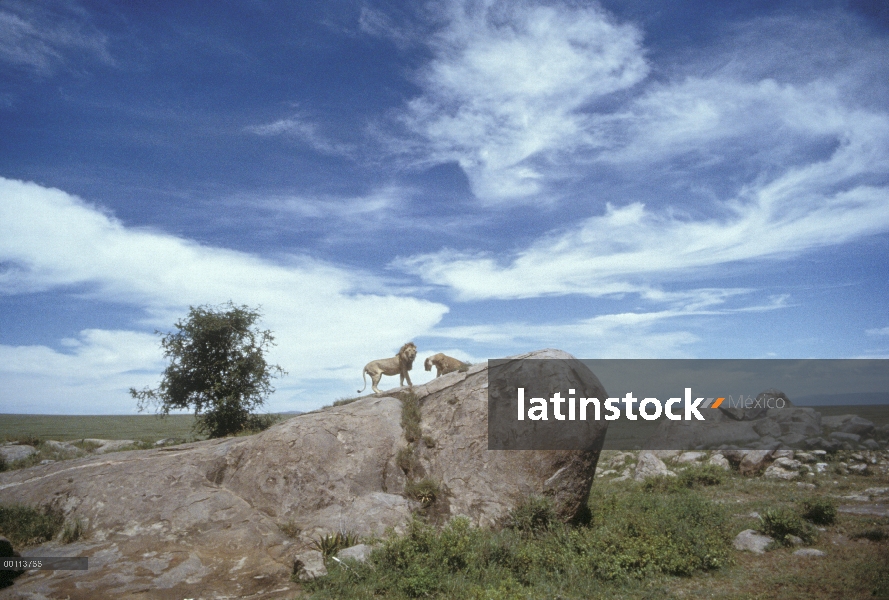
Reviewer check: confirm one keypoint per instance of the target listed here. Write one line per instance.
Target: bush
(532, 515)
(779, 523)
(73, 531)
(821, 511)
(426, 491)
(702, 475)
(406, 460)
(874, 535)
(410, 417)
(28, 526)
(330, 544)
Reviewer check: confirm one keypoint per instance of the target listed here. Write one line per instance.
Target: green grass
(111, 427)
(29, 526)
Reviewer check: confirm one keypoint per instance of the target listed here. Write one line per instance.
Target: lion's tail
(364, 379)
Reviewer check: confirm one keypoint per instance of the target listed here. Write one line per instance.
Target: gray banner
(687, 404)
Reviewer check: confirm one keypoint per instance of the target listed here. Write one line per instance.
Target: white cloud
(42, 37)
(50, 240)
(881, 331)
(508, 84)
(302, 128)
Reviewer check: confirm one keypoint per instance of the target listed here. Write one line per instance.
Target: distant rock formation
(205, 519)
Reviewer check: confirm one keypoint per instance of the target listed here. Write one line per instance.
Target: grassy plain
(108, 427)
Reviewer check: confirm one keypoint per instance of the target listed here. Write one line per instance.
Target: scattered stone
(836, 422)
(857, 425)
(871, 444)
(361, 552)
(606, 472)
(767, 427)
(309, 565)
(106, 446)
(61, 446)
(805, 486)
(794, 540)
(17, 452)
(782, 454)
(842, 436)
(754, 461)
(877, 491)
(822, 444)
(650, 465)
(783, 468)
(806, 457)
(719, 460)
(808, 552)
(690, 457)
(858, 469)
(47, 461)
(821, 467)
(751, 541)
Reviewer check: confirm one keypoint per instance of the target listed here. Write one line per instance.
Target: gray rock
(361, 552)
(751, 541)
(821, 467)
(690, 457)
(805, 486)
(767, 427)
(795, 540)
(820, 443)
(842, 436)
(309, 565)
(17, 452)
(805, 457)
(63, 447)
(754, 461)
(858, 469)
(109, 445)
(783, 468)
(202, 519)
(650, 465)
(808, 552)
(794, 440)
(871, 444)
(857, 425)
(719, 460)
(835, 422)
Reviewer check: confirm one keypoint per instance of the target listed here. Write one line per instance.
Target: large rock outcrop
(204, 519)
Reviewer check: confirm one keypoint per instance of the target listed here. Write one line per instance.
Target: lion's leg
(375, 379)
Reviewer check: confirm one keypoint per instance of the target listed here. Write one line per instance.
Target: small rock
(871, 444)
(808, 552)
(782, 454)
(60, 446)
(17, 452)
(857, 425)
(821, 467)
(805, 486)
(752, 541)
(47, 461)
(877, 491)
(720, 461)
(650, 465)
(309, 565)
(794, 540)
(359, 552)
(783, 468)
(858, 469)
(842, 436)
(835, 422)
(606, 472)
(689, 457)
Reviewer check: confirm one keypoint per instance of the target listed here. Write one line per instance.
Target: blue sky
(617, 180)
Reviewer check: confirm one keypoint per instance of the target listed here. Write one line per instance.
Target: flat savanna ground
(856, 545)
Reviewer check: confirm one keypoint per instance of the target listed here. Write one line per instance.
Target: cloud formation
(322, 318)
(504, 94)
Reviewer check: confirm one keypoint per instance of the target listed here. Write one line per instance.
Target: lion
(399, 364)
(444, 364)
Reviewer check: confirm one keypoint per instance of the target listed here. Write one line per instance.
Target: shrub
(702, 475)
(289, 529)
(426, 491)
(344, 401)
(874, 534)
(532, 515)
(779, 523)
(821, 511)
(73, 531)
(28, 526)
(406, 460)
(330, 544)
(410, 417)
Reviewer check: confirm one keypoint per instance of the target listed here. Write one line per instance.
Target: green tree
(218, 368)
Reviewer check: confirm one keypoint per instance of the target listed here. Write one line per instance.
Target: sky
(624, 179)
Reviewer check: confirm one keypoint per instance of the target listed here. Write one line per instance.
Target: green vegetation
(330, 544)
(217, 368)
(406, 460)
(29, 526)
(821, 511)
(782, 523)
(410, 416)
(632, 534)
(73, 531)
(426, 491)
(343, 401)
(108, 427)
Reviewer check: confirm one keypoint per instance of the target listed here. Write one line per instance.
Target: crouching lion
(399, 364)
(444, 364)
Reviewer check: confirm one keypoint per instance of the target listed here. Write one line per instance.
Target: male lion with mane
(444, 364)
(399, 364)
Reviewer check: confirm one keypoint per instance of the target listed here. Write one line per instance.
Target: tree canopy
(217, 368)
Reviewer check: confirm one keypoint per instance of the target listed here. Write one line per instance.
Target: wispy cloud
(44, 36)
(301, 128)
(504, 94)
(321, 314)
(878, 332)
